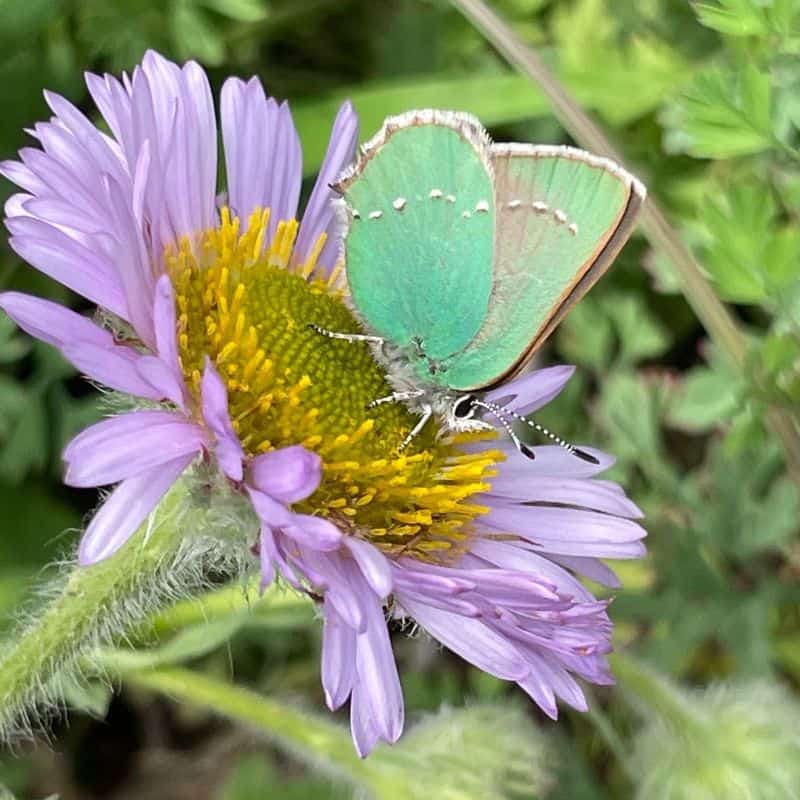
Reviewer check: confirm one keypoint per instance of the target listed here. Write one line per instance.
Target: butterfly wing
(418, 266)
(562, 215)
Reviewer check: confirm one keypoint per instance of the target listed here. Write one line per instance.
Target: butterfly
(463, 255)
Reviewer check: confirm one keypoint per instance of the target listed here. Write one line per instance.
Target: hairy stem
(94, 605)
(711, 312)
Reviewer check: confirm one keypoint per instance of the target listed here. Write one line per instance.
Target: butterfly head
(462, 414)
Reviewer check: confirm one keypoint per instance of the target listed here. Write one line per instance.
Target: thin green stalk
(610, 736)
(318, 742)
(711, 312)
(653, 693)
(277, 607)
(94, 605)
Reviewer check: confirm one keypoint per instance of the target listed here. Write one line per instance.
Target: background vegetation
(703, 100)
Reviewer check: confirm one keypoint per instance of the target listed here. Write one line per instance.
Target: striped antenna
(498, 412)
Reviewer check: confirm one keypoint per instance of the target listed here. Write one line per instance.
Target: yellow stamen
(246, 303)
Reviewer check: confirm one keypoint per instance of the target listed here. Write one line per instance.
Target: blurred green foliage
(704, 100)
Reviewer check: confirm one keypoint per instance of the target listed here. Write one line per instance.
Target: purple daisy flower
(205, 303)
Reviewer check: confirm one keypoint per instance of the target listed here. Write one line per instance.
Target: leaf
(630, 412)
(623, 77)
(734, 17)
(239, 10)
(640, 334)
(494, 97)
(190, 643)
(195, 35)
(586, 336)
(706, 398)
(722, 114)
(749, 256)
(90, 697)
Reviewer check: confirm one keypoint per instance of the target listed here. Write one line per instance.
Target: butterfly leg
(427, 413)
(348, 337)
(396, 397)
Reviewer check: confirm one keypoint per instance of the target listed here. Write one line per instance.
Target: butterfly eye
(464, 407)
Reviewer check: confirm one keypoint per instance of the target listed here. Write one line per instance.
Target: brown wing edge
(596, 269)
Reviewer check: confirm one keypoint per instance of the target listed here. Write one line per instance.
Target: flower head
(206, 306)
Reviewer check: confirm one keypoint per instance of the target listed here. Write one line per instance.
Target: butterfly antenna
(570, 448)
(497, 412)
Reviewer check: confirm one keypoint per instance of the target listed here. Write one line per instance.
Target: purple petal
(376, 672)
(272, 556)
(262, 153)
(569, 532)
(272, 513)
(131, 259)
(126, 509)
(551, 460)
(592, 568)
(540, 692)
(338, 658)
(115, 367)
(363, 726)
(228, 450)
(289, 475)
(124, 446)
(473, 640)
(319, 217)
(560, 681)
(509, 556)
(23, 177)
(534, 390)
(70, 263)
(165, 323)
(163, 379)
(374, 565)
(598, 495)
(51, 322)
(313, 532)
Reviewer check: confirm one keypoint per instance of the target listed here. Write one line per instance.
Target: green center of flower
(248, 308)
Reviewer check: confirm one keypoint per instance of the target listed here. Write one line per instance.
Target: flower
(205, 310)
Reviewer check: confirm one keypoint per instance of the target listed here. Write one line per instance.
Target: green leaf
(496, 98)
(195, 35)
(239, 10)
(19, 18)
(734, 17)
(748, 256)
(722, 114)
(586, 336)
(630, 412)
(639, 331)
(624, 77)
(193, 642)
(88, 696)
(705, 399)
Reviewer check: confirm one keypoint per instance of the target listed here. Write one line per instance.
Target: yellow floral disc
(248, 307)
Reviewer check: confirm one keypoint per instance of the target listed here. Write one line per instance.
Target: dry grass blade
(712, 313)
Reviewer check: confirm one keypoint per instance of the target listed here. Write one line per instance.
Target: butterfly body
(463, 255)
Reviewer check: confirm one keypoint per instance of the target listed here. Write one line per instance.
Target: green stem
(94, 604)
(314, 741)
(653, 693)
(608, 733)
(711, 312)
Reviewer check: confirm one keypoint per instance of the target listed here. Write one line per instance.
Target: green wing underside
(561, 217)
(417, 265)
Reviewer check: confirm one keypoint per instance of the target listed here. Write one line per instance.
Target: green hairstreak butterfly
(463, 255)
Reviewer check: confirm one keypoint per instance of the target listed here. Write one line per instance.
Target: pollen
(247, 302)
